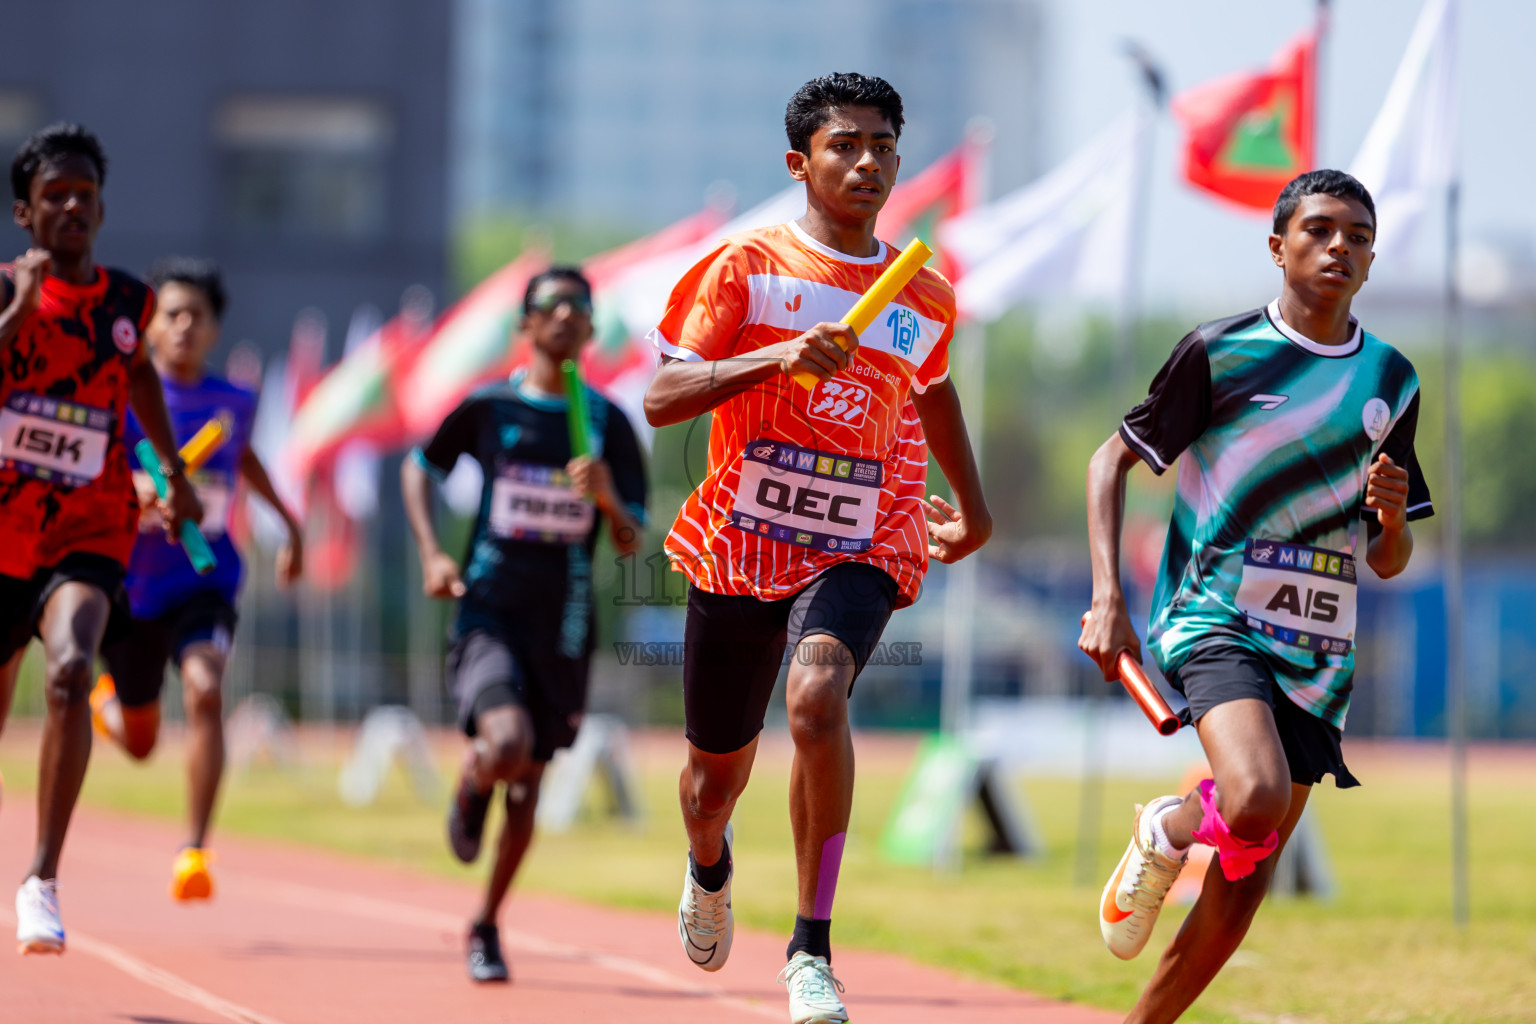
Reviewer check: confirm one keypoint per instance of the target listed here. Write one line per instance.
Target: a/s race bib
(1299, 595)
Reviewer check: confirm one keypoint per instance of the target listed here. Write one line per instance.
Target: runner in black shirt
(523, 634)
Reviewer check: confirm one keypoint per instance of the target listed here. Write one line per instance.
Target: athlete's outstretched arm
(1108, 631)
(148, 400)
(683, 389)
(439, 572)
(290, 559)
(1391, 541)
(952, 533)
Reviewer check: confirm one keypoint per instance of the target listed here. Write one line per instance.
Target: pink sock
(1238, 856)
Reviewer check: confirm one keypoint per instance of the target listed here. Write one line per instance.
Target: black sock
(713, 877)
(813, 937)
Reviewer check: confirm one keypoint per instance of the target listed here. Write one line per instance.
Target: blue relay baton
(191, 537)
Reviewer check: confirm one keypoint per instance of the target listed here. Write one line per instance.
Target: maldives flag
(353, 400)
(1250, 134)
(946, 188)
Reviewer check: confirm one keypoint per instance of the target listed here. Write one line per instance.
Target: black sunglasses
(551, 301)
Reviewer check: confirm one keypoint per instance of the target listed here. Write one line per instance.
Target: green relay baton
(191, 537)
(576, 410)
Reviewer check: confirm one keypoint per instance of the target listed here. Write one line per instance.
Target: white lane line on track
(157, 977)
(373, 908)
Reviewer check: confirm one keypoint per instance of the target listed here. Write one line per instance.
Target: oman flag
(1250, 134)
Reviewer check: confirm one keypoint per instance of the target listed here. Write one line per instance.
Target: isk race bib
(802, 496)
(62, 442)
(1298, 595)
(213, 491)
(537, 503)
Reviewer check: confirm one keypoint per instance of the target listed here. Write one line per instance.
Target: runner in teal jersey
(1291, 426)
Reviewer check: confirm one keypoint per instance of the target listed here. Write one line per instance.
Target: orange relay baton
(1146, 696)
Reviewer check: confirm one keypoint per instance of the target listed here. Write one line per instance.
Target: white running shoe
(704, 921)
(1135, 892)
(813, 991)
(38, 928)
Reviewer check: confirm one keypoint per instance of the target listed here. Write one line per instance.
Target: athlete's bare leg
(1256, 796)
(8, 674)
(821, 778)
(202, 678)
(522, 800)
(503, 746)
(72, 625)
(708, 790)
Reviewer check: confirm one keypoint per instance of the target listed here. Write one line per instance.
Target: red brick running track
(302, 937)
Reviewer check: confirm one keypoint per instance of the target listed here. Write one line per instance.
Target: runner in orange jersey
(809, 525)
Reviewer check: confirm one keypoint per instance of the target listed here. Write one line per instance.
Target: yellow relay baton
(880, 294)
(200, 447)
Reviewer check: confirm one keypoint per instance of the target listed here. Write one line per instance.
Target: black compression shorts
(735, 645)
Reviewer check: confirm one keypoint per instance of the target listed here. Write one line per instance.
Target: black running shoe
(485, 962)
(466, 820)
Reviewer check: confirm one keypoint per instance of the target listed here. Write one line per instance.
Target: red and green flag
(1249, 134)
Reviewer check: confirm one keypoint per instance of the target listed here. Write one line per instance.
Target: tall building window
(304, 166)
(20, 116)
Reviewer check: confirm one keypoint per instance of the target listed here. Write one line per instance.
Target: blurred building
(302, 145)
(628, 112)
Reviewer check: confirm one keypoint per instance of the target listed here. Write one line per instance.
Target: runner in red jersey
(809, 526)
(70, 365)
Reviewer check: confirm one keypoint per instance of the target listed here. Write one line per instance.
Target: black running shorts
(22, 600)
(137, 659)
(1219, 672)
(735, 645)
(489, 670)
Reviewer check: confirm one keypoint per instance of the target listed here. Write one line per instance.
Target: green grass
(1383, 951)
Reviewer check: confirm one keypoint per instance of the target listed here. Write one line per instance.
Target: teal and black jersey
(1277, 433)
(528, 571)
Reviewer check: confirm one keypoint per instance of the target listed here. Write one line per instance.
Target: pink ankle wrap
(1238, 856)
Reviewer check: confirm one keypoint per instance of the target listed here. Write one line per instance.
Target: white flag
(1068, 233)
(1408, 157)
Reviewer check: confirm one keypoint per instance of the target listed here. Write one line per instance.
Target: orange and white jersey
(799, 479)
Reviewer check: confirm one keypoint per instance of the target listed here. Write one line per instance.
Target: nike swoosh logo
(709, 954)
(1111, 910)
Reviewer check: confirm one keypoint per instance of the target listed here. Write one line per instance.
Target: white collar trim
(831, 253)
(1349, 348)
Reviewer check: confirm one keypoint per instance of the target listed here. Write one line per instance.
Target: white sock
(1160, 837)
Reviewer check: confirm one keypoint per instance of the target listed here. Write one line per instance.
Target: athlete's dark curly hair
(1320, 183)
(204, 275)
(812, 106)
(572, 274)
(53, 143)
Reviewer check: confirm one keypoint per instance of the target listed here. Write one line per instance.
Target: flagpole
(957, 678)
(1455, 612)
(1153, 95)
(1319, 66)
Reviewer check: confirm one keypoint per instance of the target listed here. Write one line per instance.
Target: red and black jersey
(64, 385)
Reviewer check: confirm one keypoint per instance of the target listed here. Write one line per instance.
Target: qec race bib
(802, 496)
